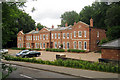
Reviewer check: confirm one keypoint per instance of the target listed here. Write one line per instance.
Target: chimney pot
(66, 24)
(74, 23)
(91, 22)
(36, 29)
(52, 26)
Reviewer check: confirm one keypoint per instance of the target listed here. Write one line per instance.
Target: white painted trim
(84, 45)
(79, 44)
(80, 39)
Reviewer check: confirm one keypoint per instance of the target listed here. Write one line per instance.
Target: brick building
(79, 36)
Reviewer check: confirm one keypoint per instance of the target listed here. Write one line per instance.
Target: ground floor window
(55, 44)
(27, 45)
(68, 45)
(80, 45)
(74, 44)
(63, 45)
(36, 45)
(44, 45)
(41, 45)
(85, 45)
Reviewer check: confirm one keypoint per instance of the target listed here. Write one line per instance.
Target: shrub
(104, 40)
(55, 50)
(37, 49)
(75, 50)
(107, 67)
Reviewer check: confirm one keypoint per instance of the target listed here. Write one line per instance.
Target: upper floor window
(63, 35)
(47, 36)
(67, 35)
(55, 36)
(71, 35)
(97, 34)
(33, 37)
(36, 37)
(40, 36)
(43, 36)
(74, 33)
(52, 35)
(58, 35)
(79, 33)
(84, 33)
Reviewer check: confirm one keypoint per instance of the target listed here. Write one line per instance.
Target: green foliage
(104, 40)
(113, 32)
(55, 50)
(37, 49)
(69, 17)
(15, 48)
(75, 50)
(106, 67)
(14, 20)
(39, 26)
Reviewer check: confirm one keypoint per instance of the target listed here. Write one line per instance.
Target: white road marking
(27, 76)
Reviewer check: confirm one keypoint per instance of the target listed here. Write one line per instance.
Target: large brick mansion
(79, 36)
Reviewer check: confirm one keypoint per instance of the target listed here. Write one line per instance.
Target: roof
(112, 44)
(61, 28)
(32, 32)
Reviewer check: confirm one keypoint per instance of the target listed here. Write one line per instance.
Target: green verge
(105, 67)
(55, 50)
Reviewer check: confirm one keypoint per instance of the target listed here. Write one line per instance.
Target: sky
(48, 12)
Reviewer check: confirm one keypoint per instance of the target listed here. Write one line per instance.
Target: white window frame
(43, 46)
(85, 32)
(40, 45)
(58, 43)
(75, 46)
(71, 35)
(43, 36)
(55, 44)
(63, 45)
(38, 37)
(98, 34)
(67, 45)
(58, 35)
(36, 45)
(79, 33)
(63, 35)
(84, 45)
(33, 37)
(80, 45)
(67, 35)
(74, 33)
(47, 36)
(52, 35)
(55, 35)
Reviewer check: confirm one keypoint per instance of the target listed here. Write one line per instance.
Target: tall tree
(13, 20)
(39, 26)
(69, 17)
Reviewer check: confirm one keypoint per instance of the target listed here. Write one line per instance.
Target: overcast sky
(48, 12)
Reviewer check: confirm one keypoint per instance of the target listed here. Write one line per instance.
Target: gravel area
(51, 56)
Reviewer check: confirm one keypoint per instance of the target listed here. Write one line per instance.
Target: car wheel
(37, 55)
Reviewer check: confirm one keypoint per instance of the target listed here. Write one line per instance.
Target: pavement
(97, 75)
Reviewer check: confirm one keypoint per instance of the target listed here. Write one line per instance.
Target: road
(35, 74)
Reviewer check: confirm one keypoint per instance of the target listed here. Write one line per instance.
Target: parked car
(30, 54)
(21, 52)
(3, 50)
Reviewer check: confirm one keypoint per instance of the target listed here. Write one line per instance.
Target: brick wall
(113, 54)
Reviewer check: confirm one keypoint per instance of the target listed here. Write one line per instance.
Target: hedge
(106, 67)
(55, 50)
(15, 48)
(75, 50)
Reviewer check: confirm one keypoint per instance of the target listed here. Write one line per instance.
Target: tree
(14, 19)
(39, 26)
(69, 18)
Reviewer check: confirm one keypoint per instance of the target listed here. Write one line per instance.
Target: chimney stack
(52, 26)
(74, 23)
(66, 24)
(91, 22)
(36, 29)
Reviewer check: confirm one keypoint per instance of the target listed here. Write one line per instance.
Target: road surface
(35, 74)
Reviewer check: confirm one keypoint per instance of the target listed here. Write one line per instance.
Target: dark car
(30, 54)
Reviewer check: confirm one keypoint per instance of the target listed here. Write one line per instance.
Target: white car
(3, 50)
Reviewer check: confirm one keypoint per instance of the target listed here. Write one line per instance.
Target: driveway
(51, 56)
